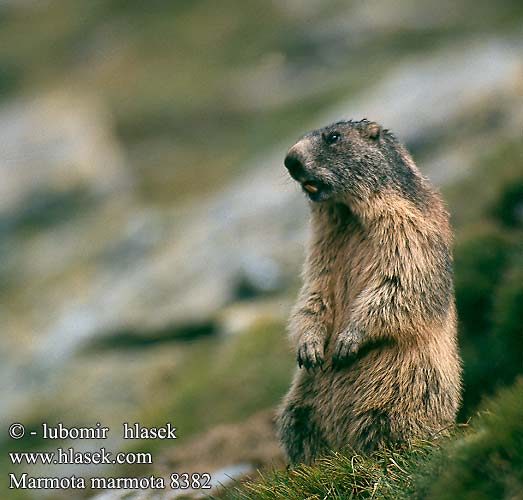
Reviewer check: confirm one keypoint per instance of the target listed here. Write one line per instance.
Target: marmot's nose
(294, 165)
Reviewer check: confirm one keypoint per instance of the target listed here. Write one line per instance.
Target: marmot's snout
(315, 188)
(294, 165)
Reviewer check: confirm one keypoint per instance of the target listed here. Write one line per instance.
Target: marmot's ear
(373, 131)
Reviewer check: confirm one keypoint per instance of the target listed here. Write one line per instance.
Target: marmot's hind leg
(301, 439)
(372, 431)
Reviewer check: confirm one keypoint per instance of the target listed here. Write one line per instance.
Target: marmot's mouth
(310, 187)
(313, 188)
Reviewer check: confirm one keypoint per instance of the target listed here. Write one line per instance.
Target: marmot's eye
(332, 137)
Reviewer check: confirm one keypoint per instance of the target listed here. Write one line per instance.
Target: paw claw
(310, 355)
(347, 345)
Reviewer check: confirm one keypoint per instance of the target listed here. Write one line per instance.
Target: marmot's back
(374, 325)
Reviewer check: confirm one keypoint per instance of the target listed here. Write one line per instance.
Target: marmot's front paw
(310, 354)
(347, 345)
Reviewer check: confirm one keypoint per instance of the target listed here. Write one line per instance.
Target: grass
(338, 477)
(487, 462)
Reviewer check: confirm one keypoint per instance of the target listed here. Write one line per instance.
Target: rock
(53, 145)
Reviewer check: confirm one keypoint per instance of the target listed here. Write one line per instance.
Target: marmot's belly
(384, 396)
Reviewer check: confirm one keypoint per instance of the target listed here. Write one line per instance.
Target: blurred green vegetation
(488, 221)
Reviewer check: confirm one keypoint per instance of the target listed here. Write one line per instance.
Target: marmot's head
(351, 161)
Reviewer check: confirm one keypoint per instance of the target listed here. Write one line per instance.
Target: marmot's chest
(353, 266)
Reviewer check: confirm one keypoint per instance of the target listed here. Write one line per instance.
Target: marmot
(375, 322)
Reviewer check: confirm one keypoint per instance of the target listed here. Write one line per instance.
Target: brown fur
(375, 323)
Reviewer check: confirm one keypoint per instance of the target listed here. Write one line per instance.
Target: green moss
(481, 257)
(508, 209)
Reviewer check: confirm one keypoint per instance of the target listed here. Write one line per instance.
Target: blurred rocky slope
(139, 207)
